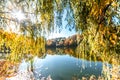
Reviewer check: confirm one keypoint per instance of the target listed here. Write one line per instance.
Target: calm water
(63, 66)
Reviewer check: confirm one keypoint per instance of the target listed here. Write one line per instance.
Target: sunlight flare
(19, 15)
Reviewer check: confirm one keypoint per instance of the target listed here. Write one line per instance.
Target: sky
(65, 32)
(20, 16)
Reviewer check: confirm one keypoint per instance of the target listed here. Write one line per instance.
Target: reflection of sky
(64, 67)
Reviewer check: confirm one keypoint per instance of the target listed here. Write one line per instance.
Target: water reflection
(63, 64)
(69, 64)
(65, 67)
(107, 57)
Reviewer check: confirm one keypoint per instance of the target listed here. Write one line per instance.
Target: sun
(19, 15)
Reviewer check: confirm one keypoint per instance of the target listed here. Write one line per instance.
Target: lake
(66, 64)
(63, 64)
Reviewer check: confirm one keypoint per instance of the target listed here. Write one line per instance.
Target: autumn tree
(97, 20)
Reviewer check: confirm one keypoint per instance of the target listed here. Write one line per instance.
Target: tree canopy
(24, 25)
(98, 20)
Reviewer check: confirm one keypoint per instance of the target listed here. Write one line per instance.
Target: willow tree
(98, 20)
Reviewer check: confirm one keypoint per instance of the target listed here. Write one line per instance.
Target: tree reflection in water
(110, 62)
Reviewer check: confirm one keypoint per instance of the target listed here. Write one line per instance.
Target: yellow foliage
(113, 39)
(7, 68)
(22, 45)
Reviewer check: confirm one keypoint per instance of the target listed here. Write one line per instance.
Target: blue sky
(65, 32)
